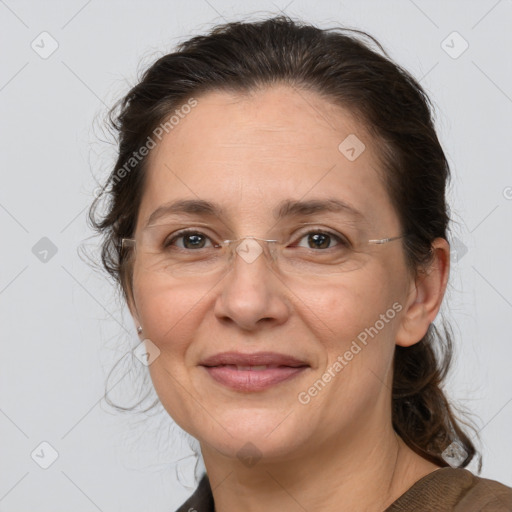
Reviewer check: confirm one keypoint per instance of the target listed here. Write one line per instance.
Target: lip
(236, 370)
(254, 359)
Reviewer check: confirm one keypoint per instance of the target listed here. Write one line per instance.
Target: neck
(367, 471)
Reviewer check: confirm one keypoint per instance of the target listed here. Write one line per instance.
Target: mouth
(258, 368)
(252, 372)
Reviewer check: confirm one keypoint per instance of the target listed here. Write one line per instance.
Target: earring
(139, 329)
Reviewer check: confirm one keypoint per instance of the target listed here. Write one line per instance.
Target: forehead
(250, 152)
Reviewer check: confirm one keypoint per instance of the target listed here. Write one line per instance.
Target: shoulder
(457, 490)
(201, 500)
(486, 495)
(444, 490)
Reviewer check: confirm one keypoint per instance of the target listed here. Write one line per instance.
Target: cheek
(169, 318)
(358, 322)
(358, 346)
(167, 311)
(346, 306)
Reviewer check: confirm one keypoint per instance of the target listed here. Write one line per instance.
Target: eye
(320, 239)
(189, 239)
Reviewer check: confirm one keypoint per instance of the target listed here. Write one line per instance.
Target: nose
(252, 294)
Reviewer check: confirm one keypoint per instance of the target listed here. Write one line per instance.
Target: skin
(248, 153)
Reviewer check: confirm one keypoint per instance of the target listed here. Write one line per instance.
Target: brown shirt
(444, 490)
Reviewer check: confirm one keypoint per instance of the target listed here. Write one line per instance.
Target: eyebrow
(287, 208)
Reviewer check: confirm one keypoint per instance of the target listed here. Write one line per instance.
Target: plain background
(63, 327)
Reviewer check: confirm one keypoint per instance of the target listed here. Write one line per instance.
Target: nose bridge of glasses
(250, 248)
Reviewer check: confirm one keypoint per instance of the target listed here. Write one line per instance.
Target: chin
(254, 434)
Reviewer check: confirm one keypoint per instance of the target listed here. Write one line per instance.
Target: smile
(252, 378)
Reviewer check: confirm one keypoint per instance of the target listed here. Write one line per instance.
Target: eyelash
(342, 240)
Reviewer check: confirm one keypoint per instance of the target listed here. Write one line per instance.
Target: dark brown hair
(342, 67)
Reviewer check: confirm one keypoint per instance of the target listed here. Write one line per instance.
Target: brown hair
(340, 66)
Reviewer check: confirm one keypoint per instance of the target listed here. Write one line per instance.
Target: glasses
(195, 252)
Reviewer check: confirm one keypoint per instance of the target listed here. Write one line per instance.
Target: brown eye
(322, 240)
(319, 241)
(188, 240)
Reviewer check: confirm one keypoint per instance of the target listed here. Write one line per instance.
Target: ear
(425, 296)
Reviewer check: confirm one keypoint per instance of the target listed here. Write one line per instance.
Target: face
(248, 155)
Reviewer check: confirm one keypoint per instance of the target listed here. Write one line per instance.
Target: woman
(278, 224)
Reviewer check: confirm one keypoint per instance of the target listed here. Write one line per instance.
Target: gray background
(62, 325)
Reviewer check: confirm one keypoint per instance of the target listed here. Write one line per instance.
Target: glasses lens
(196, 252)
(180, 253)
